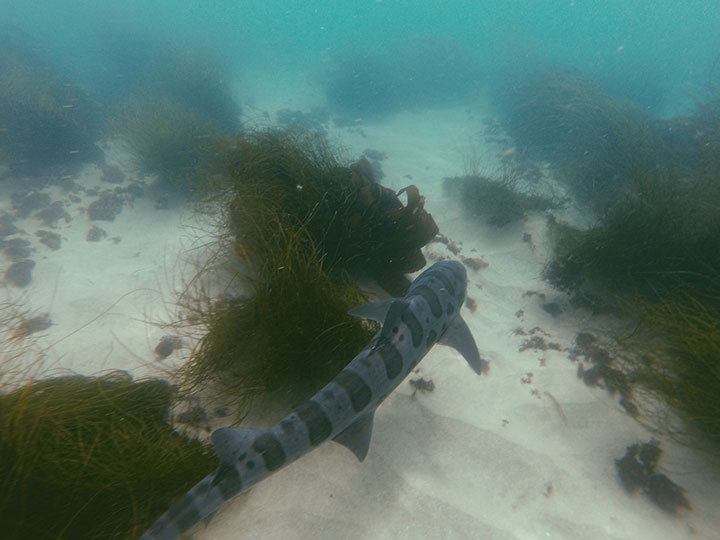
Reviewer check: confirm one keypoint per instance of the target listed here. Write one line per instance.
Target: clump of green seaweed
(91, 457)
(301, 225)
(195, 77)
(174, 120)
(290, 336)
(498, 201)
(168, 139)
(681, 367)
(653, 257)
(593, 142)
(46, 120)
(659, 240)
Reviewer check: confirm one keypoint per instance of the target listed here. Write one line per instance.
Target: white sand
(488, 457)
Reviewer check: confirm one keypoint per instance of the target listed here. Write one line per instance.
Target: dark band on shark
(271, 451)
(416, 331)
(227, 479)
(431, 298)
(185, 514)
(392, 359)
(318, 424)
(357, 389)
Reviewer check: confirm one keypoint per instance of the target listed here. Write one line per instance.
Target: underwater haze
(660, 53)
(216, 212)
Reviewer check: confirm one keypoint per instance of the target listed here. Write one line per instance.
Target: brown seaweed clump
(289, 337)
(303, 227)
(636, 470)
(91, 457)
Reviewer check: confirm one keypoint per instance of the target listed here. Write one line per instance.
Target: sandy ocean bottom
(525, 452)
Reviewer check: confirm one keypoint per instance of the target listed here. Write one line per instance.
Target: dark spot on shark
(316, 421)
(447, 283)
(450, 309)
(416, 331)
(271, 451)
(355, 387)
(242, 456)
(401, 337)
(392, 359)
(431, 339)
(250, 465)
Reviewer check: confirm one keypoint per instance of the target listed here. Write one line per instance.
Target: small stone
(50, 239)
(631, 472)
(20, 273)
(106, 207)
(51, 214)
(26, 203)
(666, 494)
(553, 308)
(95, 234)
(17, 249)
(167, 345)
(7, 225)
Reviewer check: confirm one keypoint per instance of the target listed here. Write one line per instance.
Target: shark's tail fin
(200, 503)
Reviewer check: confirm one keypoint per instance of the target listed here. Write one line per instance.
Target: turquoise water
(658, 53)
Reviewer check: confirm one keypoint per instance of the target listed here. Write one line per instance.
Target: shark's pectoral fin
(375, 311)
(231, 442)
(357, 435)
(459, 337)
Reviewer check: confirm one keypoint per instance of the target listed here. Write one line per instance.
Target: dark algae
(91, 457)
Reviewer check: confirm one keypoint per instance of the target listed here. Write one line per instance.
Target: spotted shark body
(344, 409)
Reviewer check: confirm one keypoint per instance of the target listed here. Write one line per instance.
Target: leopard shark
(344, 409)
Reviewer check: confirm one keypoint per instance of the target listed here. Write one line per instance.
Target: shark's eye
(395, 329)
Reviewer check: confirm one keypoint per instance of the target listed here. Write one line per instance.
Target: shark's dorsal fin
(356, 437)
(459, 337)
(231, 442)
(375, 311)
